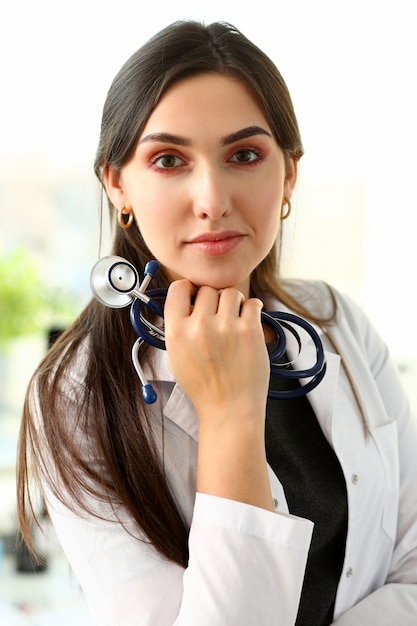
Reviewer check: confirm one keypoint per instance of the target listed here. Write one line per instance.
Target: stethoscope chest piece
(112, 281)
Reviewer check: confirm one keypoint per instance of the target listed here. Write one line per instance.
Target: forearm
(217, 353)
(232, 464)
(246, 567)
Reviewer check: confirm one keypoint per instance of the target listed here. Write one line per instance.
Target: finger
(251, 309)
(206, 301)
(178, 303)
(230, 302)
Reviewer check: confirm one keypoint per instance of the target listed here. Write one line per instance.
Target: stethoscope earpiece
(115, 283)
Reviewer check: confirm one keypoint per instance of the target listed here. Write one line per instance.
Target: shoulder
(322, 299)
(334, 311)
(317, 297)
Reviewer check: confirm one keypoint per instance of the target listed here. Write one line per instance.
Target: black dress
(315, 488)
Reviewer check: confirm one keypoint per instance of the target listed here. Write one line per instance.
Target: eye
(166, 161)
(245, 155)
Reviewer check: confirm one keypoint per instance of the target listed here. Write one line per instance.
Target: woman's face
(206, 182)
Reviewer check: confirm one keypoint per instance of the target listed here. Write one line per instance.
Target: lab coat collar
(178, 407)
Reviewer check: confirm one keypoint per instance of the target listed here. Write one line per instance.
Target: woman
(197, 509)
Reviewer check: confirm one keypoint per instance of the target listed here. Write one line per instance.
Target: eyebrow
(244, 133)
(166, 138)
(177, 140)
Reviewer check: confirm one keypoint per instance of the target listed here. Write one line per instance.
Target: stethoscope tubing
(276, 320)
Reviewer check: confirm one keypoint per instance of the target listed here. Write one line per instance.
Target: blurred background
(350, 67)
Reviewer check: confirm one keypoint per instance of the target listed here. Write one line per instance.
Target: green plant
(27, 306)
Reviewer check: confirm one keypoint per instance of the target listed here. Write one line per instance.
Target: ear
(290, 176)
(114, 187)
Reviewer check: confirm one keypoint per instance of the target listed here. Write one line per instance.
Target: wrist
(232, 464)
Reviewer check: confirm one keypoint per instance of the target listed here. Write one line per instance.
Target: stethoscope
(115, 283)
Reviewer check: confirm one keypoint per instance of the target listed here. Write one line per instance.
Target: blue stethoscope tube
(115, 283)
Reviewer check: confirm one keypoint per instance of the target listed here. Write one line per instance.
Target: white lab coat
(246, 565)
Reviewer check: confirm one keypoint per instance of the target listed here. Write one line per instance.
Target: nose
(211, 193)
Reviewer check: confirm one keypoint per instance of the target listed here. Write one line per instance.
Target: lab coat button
(349, 572)
(275, 503)
(355, 479)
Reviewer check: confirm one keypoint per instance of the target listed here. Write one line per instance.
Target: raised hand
(217, 353)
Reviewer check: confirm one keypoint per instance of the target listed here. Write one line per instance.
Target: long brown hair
(114, 425)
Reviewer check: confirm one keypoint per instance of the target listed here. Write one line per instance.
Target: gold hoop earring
(287, 203)
(121, 220)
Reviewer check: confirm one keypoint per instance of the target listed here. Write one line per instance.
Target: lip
(217, 243)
